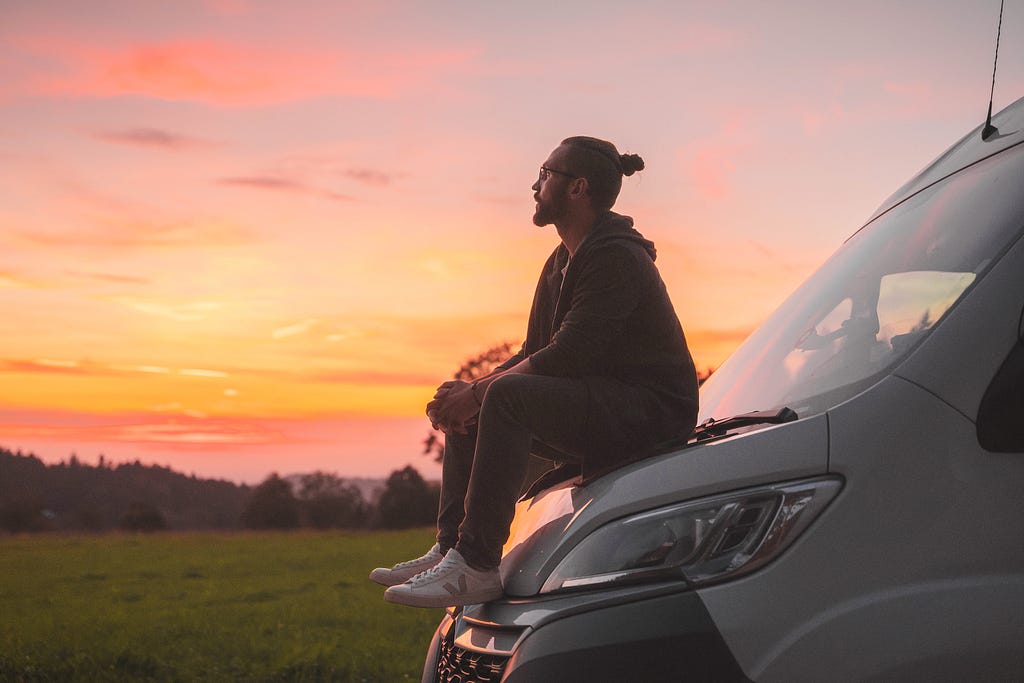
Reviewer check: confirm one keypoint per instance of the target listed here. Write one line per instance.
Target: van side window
(1000, 422)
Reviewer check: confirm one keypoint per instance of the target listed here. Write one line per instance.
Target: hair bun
(631, 163)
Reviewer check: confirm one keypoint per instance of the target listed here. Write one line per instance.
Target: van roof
(969, 150)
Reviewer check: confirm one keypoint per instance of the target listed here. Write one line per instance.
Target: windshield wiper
(710, 428)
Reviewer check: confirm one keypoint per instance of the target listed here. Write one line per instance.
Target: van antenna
(989, 129)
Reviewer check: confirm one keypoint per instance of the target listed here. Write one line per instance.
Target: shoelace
(418, 560)
(432, 573)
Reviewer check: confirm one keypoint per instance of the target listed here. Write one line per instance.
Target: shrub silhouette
(272, 506)
(407, 501)
(328, 502)
(142, 517)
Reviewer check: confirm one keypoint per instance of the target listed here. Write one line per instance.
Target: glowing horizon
(233, 234)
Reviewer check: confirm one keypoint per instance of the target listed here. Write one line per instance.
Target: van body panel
(874, 579)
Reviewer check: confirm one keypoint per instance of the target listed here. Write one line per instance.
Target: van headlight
(701, 541)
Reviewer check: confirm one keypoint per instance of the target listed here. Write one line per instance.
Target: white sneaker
(403, 571)
(452, 582)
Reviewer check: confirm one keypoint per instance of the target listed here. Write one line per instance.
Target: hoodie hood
(613, 226)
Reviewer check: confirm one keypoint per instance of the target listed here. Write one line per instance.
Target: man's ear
(579, 188)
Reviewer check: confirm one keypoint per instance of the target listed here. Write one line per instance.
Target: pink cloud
(149, 137)
(712, 161)
(276, 183)
(368, 176)
(108, 277)
(711, 168)
(177, 431)
(225, 73)
(119, 232)
(45, 366)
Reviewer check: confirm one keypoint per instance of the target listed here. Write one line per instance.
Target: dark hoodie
(611, 323)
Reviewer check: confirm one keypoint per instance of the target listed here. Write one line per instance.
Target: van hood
(547, 526)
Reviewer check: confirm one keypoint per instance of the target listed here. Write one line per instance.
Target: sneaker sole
(417, 600)
(389, 577)
(384, 578)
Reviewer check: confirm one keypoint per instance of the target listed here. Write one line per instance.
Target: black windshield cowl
(707, 430)
(712, 428)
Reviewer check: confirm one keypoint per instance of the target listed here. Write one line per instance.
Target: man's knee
(510, 390)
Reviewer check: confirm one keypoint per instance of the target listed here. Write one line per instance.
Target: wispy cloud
(369, 176)
(10, 280)
(712, 161)
(84, 367)
(281, 184)
(171, 427)
(188, 311)
(372, 378)
(148, 369)
(149, 137)
(199, 372)
(49, 366)
(265, 183)
(292, 330)
(126, 232)
(108, 277)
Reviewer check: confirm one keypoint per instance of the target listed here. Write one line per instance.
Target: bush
(272, 506)
(407, 501)
(142, 517)
(329, 503)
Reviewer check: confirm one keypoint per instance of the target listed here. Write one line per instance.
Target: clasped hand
(454, 407)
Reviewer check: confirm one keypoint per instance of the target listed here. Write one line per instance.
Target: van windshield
(876, 298)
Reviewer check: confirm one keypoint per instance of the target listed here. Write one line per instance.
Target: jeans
(483, 471)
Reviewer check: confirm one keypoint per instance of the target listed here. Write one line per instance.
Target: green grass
(203, 606)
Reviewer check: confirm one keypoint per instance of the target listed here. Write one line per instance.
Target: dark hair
(601, 164)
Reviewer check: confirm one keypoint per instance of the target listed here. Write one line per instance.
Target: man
(603, 377)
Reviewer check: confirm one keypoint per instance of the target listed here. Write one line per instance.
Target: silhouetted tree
(407, 500)
(703, 376)
(272, 506)
(142, 517)
(329, 502)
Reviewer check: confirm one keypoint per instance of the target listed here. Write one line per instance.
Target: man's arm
(457, 403)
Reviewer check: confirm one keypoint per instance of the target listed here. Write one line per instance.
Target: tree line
(76, 496)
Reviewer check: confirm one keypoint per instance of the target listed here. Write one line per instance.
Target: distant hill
(370, 489)
(76, 496)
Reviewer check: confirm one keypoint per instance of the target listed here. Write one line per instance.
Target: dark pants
(483, 471)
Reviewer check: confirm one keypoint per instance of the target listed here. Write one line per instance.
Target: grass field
(197, 606)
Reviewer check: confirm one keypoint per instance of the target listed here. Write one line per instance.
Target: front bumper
(631, 634)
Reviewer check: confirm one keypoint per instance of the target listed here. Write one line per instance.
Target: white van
(850, 508)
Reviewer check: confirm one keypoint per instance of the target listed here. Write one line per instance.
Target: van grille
(459, 665)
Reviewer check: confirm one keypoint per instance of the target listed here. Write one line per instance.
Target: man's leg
(455, 472)
(517, 410)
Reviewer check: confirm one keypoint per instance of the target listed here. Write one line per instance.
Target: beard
(549, 211)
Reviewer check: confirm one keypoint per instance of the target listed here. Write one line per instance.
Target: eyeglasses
(546, 172)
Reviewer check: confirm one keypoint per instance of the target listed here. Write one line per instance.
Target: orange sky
(241, 237)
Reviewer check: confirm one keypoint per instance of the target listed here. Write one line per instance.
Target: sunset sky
(239, 236)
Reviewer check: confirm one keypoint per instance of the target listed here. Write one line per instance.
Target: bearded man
(603, 378)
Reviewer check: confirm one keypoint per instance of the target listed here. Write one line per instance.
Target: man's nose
(536, 185)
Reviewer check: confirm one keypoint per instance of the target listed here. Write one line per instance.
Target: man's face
(551, 191)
